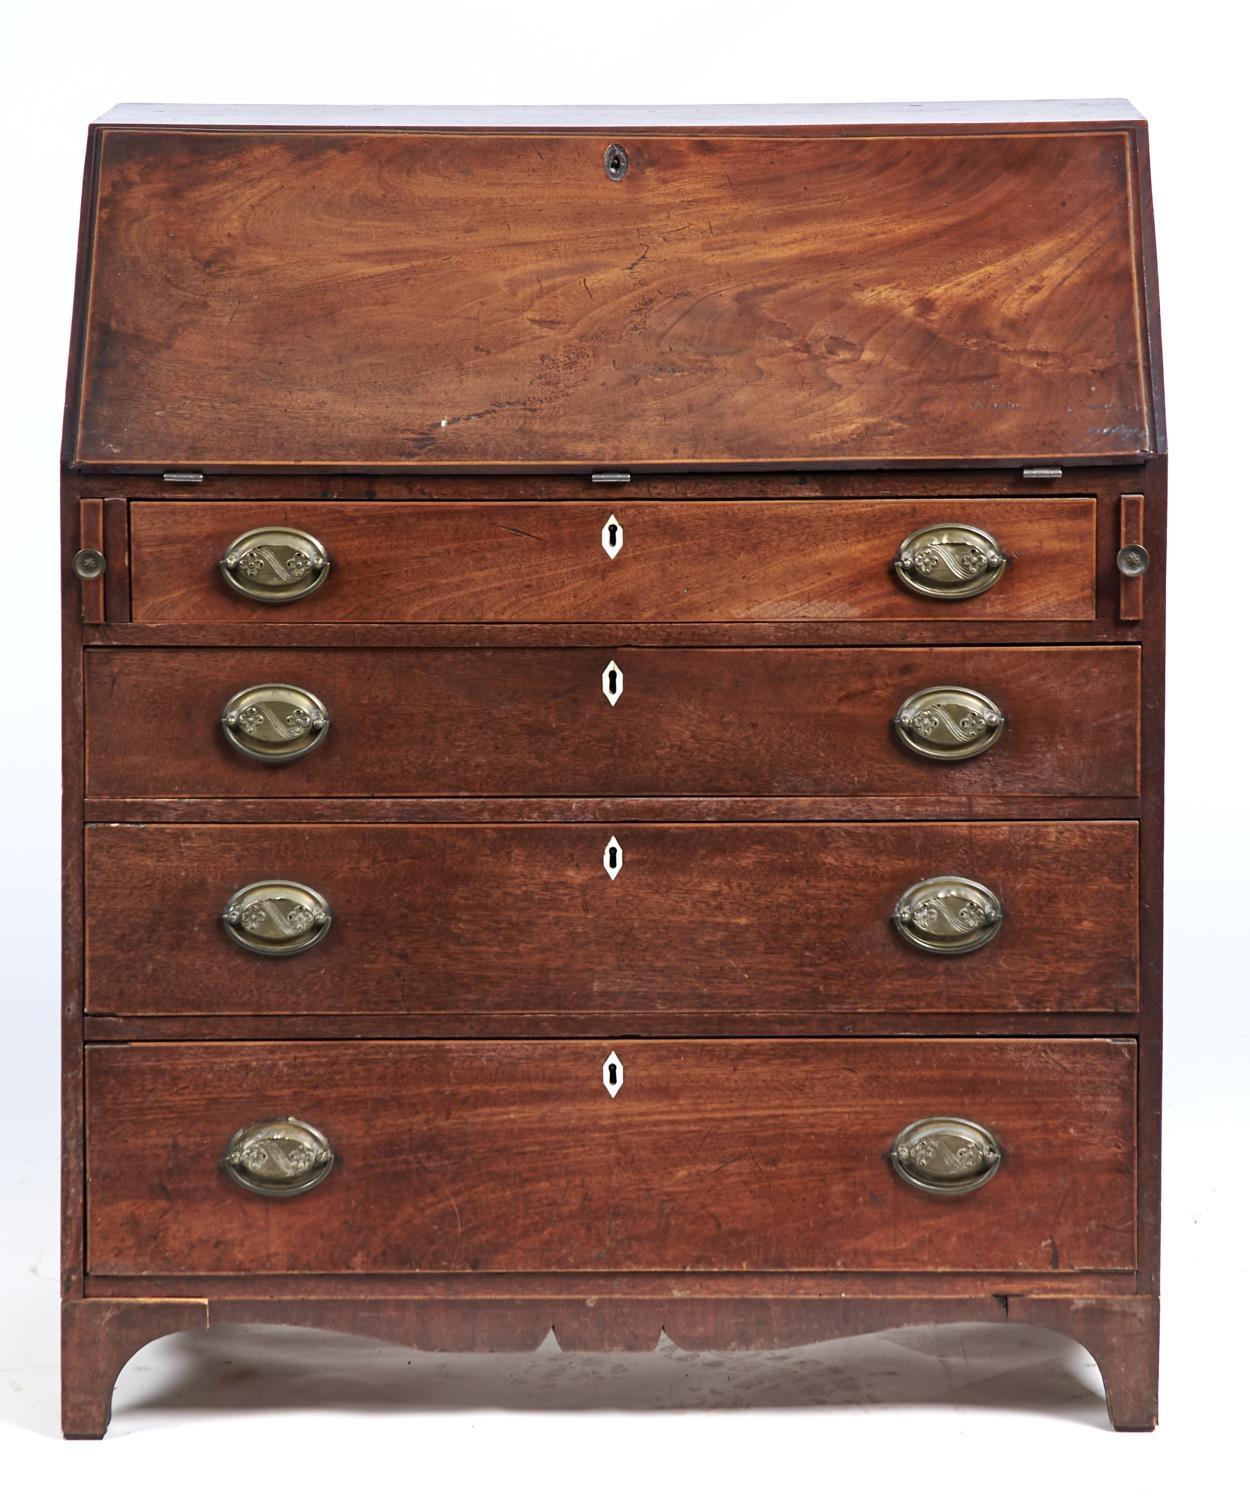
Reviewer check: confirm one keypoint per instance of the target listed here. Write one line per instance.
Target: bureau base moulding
(101, 1335)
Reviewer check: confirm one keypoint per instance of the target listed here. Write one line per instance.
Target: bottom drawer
(537, 1156)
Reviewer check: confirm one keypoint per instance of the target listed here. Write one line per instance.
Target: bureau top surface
(648, 116)
(534, 290)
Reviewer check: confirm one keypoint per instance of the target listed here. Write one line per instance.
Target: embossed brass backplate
(945, 1155)
(950, 562)
(949, 723)
(275, 721)
(275, 564)
(276, 918)
(278, 1158)
(948, 914)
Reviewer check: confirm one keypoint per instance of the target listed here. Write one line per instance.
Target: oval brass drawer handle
(277, 918)
(278, 1158)
(275, 721)
(948, 914)
(275, 564)
(945, 1155)
(950, 562)
(949, 723)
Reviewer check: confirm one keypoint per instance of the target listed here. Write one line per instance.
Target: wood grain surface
(516, 921)
(720, 560)
(466, 302)
(487, 1156)
(688, 722)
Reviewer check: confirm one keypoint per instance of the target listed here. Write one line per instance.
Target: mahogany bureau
(613, 729)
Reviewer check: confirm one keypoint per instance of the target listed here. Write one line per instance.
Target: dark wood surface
(537, 723)
(512, 1156)
(604, 810)
(100, 1335)
(912, 305)
(690, 561)
(722, 920)
(109, 1316)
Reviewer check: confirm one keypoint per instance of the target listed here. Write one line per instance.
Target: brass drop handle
(275, 564)
(948, 914)
(274, 721)
(949, 723)
(278, 1158)
(277, 918)
(949, 562)
(945, 1155)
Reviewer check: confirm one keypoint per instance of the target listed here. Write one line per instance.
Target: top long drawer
(616, 560)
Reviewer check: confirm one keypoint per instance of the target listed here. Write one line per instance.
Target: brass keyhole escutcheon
(616, 162)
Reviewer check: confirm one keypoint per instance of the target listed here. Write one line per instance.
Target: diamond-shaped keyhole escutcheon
(613, 682)
(613, 1074)
(613, 857)
(613, 536)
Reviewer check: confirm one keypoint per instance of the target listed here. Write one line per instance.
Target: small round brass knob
(88, 564)
(275, 564)
(945, 1155)
(949, 723)
(949, 562)
(948, 914)
(1132, 560)
(278, 1158)
(274, 721)
(276, 918)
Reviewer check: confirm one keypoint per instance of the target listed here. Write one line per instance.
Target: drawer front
(674, 925)
(614, 560)
(514, 1156)
(630, 722)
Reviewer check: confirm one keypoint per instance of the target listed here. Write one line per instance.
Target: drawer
(629, 722)
(514, 1156)
(675, 926)
(612, 560)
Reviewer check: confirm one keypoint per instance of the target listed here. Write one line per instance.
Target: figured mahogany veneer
(453, 349)
(728, 920)
(688, 722)
(511, 1156)
(717, 560)
(473, 301)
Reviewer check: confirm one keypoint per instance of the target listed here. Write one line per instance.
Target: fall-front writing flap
(478, 300)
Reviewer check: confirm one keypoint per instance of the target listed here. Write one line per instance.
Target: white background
(917, 1414)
